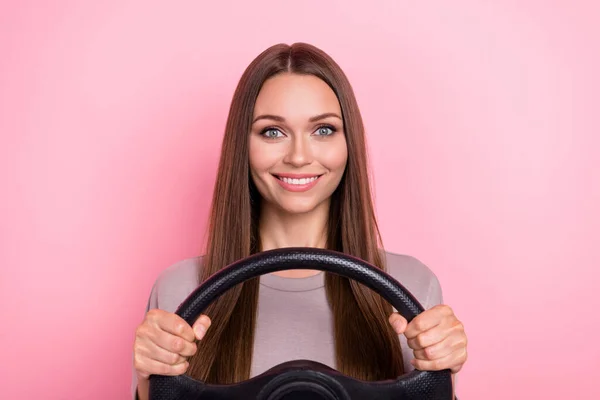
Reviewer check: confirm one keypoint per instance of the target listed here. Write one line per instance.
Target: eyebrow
(281, 119)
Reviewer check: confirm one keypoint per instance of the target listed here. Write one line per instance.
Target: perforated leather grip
(299, 258)
(416, 385)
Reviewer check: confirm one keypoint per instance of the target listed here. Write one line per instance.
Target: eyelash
(271, 128)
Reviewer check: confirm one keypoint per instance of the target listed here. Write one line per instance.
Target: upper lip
(296, 176)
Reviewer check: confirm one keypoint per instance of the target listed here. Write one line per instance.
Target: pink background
(481, 124)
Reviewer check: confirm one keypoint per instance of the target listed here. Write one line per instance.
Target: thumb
(201, 326)
(398, 322)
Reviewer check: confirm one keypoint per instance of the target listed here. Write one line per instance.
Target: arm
(427, 335)
(142, 390)
(453, 388)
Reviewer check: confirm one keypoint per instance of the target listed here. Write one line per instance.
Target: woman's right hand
(163, 343)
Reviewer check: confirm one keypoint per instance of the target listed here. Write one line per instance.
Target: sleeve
(434, 293)
(422, 283)
(152, 303)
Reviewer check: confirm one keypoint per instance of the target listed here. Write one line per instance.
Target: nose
(299, 152)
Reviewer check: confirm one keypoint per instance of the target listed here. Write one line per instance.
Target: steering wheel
(303, 379)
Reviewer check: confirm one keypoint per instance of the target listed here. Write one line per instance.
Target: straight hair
(366, 346)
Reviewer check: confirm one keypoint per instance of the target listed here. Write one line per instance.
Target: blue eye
(325, 131)
(272, 133)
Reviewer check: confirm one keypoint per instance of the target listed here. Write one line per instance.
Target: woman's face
(297, 144)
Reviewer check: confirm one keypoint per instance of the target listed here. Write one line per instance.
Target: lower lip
(297, 188)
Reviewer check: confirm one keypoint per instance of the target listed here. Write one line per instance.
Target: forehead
(294, 95)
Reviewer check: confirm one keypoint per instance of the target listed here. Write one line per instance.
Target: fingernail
(200, 331)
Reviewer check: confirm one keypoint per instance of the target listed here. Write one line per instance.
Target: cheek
(335, 157)
(263, 157)
(257, 156)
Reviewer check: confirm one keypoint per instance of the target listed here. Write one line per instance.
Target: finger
(453, 361)
(398, 322)
(427, 320)
(439, 350)
(201, 326)
(156, 353)
(172, 343)
(428, 338)
(174, 324)
(153, 367)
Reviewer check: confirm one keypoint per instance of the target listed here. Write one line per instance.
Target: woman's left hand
(437, 338)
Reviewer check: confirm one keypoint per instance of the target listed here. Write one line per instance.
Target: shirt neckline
(293, 284)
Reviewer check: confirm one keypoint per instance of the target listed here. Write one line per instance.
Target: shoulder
(416, 277)
(174, 284)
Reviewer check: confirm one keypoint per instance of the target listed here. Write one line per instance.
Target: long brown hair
(366, 346)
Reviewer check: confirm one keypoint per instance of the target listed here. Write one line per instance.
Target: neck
(279, 229)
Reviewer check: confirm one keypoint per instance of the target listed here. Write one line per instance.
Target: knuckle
(436, 308)
(181, 368)
(177, 345)
(137, 349)
(418, 364)
(137, 362)
(412, 344)
(418, 323)
(140, 331)
(152, 314)
(172, 358)
(429, 352)
(177, 326)
(192, 349)
(458, 326)
(446, 309)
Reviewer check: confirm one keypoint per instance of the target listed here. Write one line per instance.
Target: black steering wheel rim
(429, 385)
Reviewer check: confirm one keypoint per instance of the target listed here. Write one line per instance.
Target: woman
(293, 173)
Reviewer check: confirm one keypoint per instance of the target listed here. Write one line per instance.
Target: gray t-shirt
(294, 320)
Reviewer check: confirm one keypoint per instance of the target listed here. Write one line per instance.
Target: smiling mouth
(298, 181)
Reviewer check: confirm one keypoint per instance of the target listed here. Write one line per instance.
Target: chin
(299, 207)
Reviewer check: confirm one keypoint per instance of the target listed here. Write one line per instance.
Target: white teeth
(301, 181)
